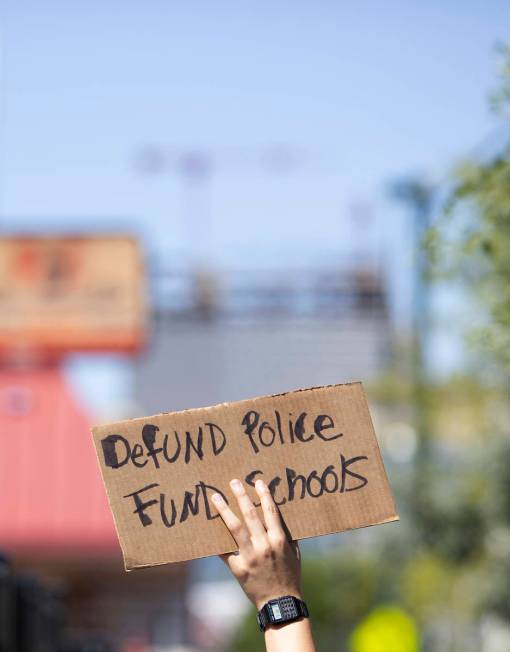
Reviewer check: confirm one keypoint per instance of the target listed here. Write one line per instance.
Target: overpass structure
(223, 336)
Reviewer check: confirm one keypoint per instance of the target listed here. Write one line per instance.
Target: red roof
(52, 499)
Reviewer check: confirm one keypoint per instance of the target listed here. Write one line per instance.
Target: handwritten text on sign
(314, 448)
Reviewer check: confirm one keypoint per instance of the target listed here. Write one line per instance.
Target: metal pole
(418, 196)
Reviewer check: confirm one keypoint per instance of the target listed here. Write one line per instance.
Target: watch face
(275, 608)
(283, 609)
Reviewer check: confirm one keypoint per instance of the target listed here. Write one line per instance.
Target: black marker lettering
(110, 452)
(313, 476)
(279, 426)
(199, 450)
(329, 471)
(272, 486)
(265, 426)
(212, 429)
(292, 478)
(164, 517)
(138, 452)
(191, 504)
(149, 439)
(299, 428)
(291, 429)
(345, 472)
(141, 506)
(177, 448)
(324, 422)
(250, 422)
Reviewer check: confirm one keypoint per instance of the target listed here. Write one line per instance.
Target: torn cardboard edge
(228, 403)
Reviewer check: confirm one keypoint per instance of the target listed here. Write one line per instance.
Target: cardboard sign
(315, 448)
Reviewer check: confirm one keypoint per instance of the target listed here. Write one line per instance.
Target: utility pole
(418, 197)
(195, 168)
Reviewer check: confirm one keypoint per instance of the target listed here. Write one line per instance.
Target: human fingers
(225, 556)
(234, 525)
(232, 560)
(295, 548)
(249, 512)
(271, 513)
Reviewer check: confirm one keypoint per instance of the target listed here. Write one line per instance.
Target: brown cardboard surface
(323, 434)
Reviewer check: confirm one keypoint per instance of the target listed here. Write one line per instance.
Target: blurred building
(232, 335)
(55, 523)
(65, 588)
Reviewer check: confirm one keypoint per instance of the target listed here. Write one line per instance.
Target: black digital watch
(281, 610)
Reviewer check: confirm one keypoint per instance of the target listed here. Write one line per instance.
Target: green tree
(474, 235)
(471, 243)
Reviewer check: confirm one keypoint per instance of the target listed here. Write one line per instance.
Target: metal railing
(322, 293)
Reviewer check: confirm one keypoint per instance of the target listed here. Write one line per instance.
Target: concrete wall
(190, 364)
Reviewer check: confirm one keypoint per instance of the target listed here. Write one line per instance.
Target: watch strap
(264, 618)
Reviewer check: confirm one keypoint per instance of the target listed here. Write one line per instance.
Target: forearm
(296, 636)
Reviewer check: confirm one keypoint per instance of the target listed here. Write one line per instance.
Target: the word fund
(315, 449)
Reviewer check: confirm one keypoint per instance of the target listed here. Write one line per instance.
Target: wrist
(296, 635)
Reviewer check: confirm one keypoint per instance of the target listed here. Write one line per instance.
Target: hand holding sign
(268, 564)
(315, 450)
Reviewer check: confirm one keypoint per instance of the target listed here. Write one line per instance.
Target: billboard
(60, 294)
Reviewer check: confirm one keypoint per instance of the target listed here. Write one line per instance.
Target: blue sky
(369, 90)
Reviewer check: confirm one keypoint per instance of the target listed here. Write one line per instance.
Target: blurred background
(204, 202)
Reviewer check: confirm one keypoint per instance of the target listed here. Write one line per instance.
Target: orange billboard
(71, 293)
